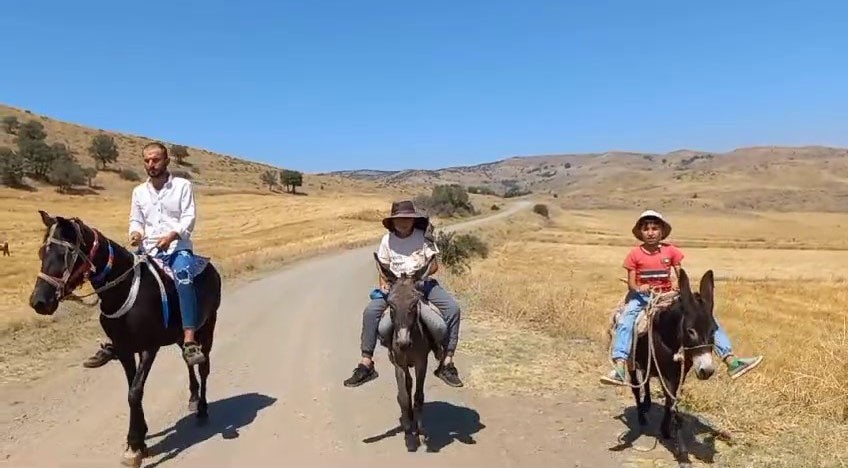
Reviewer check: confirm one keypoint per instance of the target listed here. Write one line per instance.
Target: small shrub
(130, 175)
(513, 192)
(11, 124)
(12, 166)
(495, 208)
(457, 250)
(541, 210)
(65, 173)
(446, 201)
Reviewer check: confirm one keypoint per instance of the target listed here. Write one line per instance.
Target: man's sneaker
(615, 377)
(739, 366)
(361, 374)
(192, 354)
(105, 354)
(449, 374)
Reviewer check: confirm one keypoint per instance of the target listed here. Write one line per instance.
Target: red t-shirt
(654, 268)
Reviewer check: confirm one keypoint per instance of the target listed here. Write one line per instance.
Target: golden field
(240, 231)
(780, 292)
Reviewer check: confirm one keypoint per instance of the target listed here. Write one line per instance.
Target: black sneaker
(449, 374)
(105, 354)
(361, 374)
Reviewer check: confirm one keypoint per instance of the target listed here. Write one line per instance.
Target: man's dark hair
(156, 144)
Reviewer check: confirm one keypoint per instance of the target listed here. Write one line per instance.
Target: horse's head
(64, 264)
(405, 293)
(698, 325)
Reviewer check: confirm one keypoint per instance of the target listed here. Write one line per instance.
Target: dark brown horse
(409, 347)
(679, 339)
(131, 309)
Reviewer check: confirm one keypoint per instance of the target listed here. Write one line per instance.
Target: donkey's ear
(384, 269)
(707, 289)
(685, 288)
(422, 273)
(46, 218)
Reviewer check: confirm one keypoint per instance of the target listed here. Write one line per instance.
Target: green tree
(11, 124)
(268, 178)
(65, 173)
(32, 130)
(90, 174)
(37, 155)
(291, 180)
(179, 153)
(12, 167)
(103, 149)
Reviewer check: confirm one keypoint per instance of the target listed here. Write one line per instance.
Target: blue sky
(325, 85)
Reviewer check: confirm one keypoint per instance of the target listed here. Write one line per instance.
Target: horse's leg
(193, 388)
(203, 406)
(138, 427)
(404, 399)
(418, 406)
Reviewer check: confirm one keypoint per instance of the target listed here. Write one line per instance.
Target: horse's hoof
(412, 442)
(193, 406)
(133, 458)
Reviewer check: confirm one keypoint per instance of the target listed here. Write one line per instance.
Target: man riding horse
(162, 218)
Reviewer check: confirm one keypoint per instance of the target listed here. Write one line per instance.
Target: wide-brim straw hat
(654, 215)
(406, 209)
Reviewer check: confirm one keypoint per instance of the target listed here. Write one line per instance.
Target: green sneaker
(739, 366)
(615, 377)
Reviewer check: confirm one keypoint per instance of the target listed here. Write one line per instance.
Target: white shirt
(155, 214)
(408, 254)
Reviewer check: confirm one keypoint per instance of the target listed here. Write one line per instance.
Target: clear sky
(325, 85)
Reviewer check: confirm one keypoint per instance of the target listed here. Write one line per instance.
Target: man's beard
(155, 173)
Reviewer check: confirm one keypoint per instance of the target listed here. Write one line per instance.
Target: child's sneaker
(739, 366)
(615, 377)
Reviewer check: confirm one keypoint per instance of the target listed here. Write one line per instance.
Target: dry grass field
(780, 292)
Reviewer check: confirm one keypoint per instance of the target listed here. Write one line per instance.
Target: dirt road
(284, 344)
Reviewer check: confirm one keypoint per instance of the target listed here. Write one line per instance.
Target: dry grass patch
(787, 305)
(240, 231)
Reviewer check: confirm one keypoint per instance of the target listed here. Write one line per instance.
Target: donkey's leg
(672, 378)
(634, 380)
(138, 426)
(404, 398)
(418, 406)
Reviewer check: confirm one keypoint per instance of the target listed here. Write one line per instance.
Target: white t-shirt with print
(406, 255)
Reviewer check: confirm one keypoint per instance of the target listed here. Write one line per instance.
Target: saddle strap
(133, 294)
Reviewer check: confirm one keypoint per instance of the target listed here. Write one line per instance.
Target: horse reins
(86, 268)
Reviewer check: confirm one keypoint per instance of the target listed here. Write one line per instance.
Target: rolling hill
(207, 169)
(810, 178)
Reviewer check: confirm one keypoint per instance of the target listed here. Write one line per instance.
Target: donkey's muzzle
(403, 339)
(703, 366)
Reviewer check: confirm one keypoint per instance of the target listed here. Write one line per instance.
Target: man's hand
(166, 241)
(135, 238)
(645, 288)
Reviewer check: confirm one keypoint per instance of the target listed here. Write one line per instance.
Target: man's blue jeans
(181, 263)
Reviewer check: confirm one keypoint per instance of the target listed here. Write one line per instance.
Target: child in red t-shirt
(649, 266)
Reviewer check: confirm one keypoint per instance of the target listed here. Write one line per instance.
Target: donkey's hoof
(133, 458)
(412, 442)
(193, 406)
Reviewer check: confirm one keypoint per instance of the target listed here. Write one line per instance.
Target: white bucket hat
(666, 228)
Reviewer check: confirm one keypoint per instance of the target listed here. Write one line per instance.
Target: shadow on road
(686, 442)
(226, 417)
(444, 423)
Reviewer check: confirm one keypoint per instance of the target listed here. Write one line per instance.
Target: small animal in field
(5, 248)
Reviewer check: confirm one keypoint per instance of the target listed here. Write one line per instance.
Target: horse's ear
(707, 289)
(46, 218)
(384, 269)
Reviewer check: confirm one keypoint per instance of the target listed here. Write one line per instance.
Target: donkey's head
(405, 293)
(698, 326)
